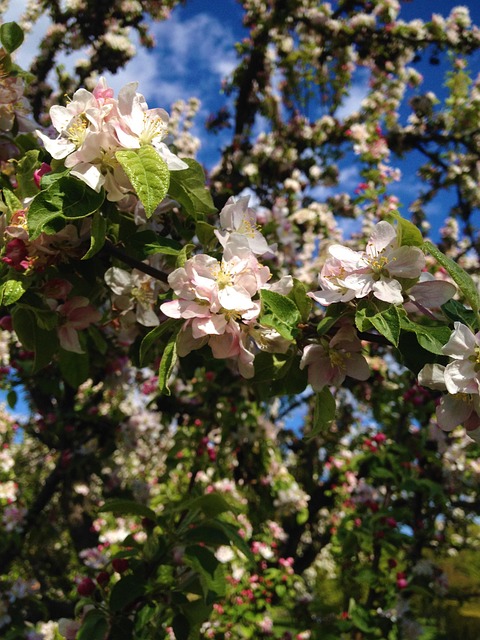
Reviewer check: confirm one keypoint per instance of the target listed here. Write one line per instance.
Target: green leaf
(460, 277)
(211, 504)
(12, 398)
(385, 320)
(94, 626)
(125, 591)
(280, 312)
(123, 507)
(187, 187)
(43, 343)
(169, 358)
(407, 233)
(24, 174)
(67, 198)
(148, 173)
(209, 569)
(323, 412)
(205, 233)
(74, 367)
(154, 336)
(11, 200)
(147, 243)
(11, 36)
(181, 627)
(430, 338)
(298, 295)
(457, 312)
(97, 235)
(11, 291)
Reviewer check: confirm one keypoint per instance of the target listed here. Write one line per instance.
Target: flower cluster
(460, 378)
(94, 126)
(349, 274)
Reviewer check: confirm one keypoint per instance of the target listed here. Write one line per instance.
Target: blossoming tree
(166, 331)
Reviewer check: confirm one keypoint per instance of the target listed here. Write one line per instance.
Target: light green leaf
(323, 412)
(24, 174)
(408, 234)
(11, 36)
(11, 200)
(460, 277)
(11, 291)
(280, 312)
(148, 173)
(187, 187)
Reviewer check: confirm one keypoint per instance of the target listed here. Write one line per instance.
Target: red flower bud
(86, 587)
(120, 565)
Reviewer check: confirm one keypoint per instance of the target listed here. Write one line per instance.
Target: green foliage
(11, 36)
(148, 173)
(187, 187)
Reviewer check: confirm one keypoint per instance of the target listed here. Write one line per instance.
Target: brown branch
(115, 252)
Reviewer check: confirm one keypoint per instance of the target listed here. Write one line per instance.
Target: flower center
(153, 127)
(77, 130)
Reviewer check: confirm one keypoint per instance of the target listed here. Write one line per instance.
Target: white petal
(433, 377)
(461, 344)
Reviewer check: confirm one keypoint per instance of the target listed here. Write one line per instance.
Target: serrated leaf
(148, 173)
(123, 507)
(209, 569)
(323, 412)
(67, 198)
(126, 591)
(11, 36)
(298, 295)
(24, 174)
(97, 235)
(457, 312)
(167, 363)
(460, 277)
(11, 291)
(11, 200)
(385, 320)
(279, 312)
(430, 338)
(187, 187)
(147, 243)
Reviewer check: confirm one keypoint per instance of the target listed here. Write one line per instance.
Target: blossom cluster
(94, 126)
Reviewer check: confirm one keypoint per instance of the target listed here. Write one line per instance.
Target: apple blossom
(75, 314)
(349, 274)
(134, 290)
(329, 362)
(238, 219)
(463, 374)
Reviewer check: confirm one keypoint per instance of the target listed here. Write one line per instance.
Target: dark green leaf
(181, 627)
(167, 363)
(126, 591)
(97, 235)
(303, 302)
(154, 336)
(94, 626)
(67, 198)
(187, 187)
(74, 367)
(43, 343)
(11, 200)
(11, 36)
(123, 507)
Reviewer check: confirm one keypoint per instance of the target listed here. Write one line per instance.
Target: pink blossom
(76, 314)
(330, 362)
